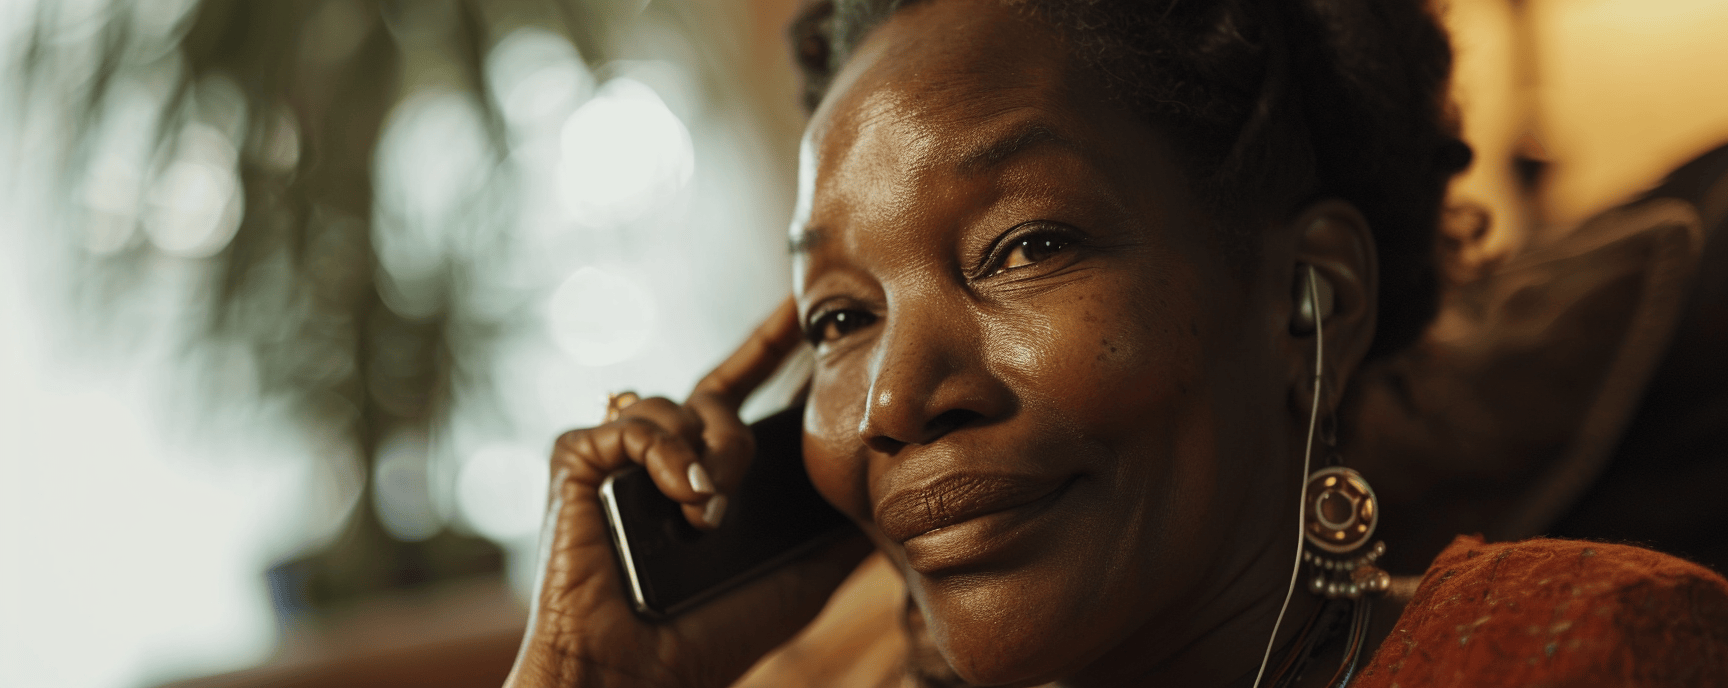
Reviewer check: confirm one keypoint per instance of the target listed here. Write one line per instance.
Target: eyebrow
(1018, 140)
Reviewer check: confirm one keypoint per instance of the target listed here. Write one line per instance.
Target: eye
(1032, 248)
(828, 326)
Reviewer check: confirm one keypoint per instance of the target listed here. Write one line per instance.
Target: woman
(1083, 280)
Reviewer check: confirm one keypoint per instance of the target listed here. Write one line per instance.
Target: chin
(988, 645)
(1031, 624)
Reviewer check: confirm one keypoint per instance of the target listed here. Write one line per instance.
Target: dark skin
(1045, 387)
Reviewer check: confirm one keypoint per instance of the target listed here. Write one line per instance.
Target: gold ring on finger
(616, 402)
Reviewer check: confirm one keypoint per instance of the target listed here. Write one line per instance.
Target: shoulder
(1558, 612)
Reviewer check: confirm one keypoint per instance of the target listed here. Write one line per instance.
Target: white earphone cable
(1307, 455)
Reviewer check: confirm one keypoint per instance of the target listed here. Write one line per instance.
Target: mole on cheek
(1105, 343)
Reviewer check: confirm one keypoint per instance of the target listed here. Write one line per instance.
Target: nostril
(944, 423)
(948, 421)
(883, 444)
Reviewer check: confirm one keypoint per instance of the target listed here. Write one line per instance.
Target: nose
(929, 377)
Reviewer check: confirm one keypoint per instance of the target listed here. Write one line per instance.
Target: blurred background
(295, 294)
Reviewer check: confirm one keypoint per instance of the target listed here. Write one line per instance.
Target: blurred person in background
(1107, 300)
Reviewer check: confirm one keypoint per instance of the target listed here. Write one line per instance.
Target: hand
(582, 631)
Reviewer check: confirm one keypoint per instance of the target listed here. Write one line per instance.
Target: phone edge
(752, 573)
(621, 543)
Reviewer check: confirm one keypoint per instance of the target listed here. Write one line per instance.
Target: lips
(956, 498)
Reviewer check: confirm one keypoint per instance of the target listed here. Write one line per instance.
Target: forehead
(942, 87)
(943, 64)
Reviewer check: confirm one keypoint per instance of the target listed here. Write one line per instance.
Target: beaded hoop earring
(1338, 516)
(1342, 517)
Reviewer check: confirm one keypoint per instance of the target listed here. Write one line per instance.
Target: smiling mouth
(960, 518)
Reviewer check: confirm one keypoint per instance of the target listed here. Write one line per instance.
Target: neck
(1222, 634)
(1227, 652)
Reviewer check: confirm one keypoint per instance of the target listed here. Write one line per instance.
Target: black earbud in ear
(1311, 288)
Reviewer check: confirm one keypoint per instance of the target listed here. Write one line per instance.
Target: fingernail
(699, 480)
(715, 509)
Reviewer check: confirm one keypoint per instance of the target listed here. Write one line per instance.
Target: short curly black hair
(1272, 103)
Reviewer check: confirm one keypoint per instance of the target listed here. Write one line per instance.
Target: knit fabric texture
(1554, 614)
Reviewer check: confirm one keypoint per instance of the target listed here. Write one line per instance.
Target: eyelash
(1061, 239)
(843, 321)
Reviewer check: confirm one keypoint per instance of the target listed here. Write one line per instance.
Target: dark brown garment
(1577, 387)
(1516, 397)
(1557, 613)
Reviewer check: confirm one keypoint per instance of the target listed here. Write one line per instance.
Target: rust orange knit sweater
(1557, 613)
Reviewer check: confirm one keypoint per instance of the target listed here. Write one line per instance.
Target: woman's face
(1044, 385)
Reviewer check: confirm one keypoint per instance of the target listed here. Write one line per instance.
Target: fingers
(695, 454)
(727, 443)
(669, 416)
(681, 468)
(698, 452)
(755, 360)
(653, 437)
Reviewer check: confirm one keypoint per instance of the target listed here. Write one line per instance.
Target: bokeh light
(113, 192)
(500, 490)
(432, 159)
(622, 154)
(601, 317)
(193, 207)
(402, 488)
(536, 77)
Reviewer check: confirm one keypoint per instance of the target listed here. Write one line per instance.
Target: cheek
(1120, 367)
(1103, 359)
(833, 456)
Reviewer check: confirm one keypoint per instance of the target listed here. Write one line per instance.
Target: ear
(1333, 238)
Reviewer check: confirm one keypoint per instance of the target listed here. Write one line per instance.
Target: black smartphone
(773, 517)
